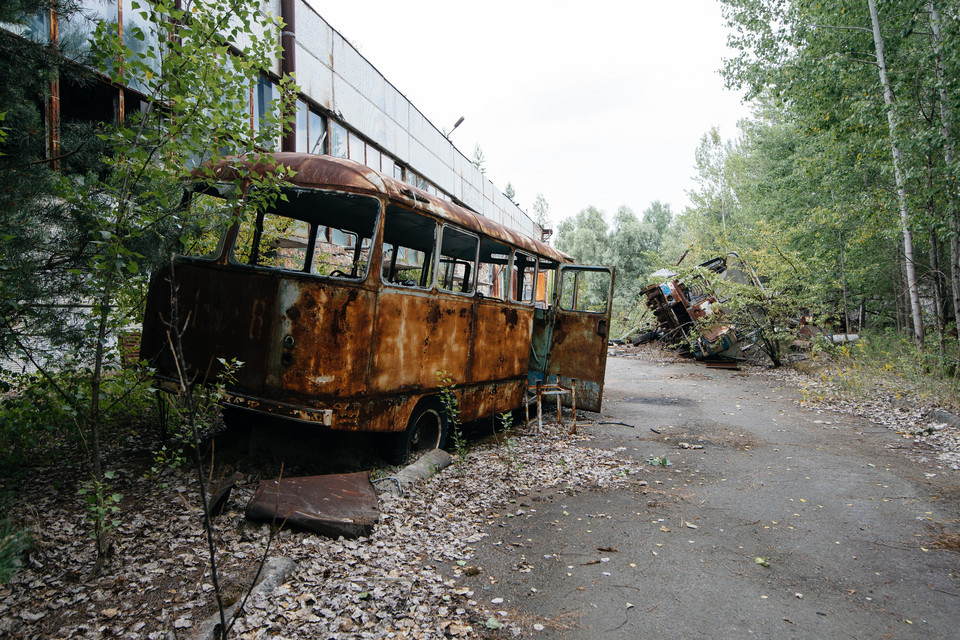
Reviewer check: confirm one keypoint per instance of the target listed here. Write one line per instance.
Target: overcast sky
(590, 103)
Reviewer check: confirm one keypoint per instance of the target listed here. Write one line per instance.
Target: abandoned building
(346, 108)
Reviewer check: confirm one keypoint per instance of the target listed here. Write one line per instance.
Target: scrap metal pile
(688, 314)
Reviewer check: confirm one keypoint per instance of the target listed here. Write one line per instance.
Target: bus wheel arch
(426, 430)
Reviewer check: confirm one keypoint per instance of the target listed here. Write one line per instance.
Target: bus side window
(546, 283)
(340, 253)
(523, 279)
(409, 242)
(273, 241)
(458, 260)
(493, 276)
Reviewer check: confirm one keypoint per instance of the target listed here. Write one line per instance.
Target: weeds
(451, 406)
(509, 449)
(884, 362)
(102, 506)
(660, 461)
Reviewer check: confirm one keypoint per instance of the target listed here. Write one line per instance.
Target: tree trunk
(946, 120)
(938, 287)
(93, 420)
(843, 286)
(911, 272)
(897, 286)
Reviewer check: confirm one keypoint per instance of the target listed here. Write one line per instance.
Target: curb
(427, 465)
(275, 572)
(944, 416)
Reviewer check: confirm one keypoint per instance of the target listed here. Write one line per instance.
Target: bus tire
(426, 430)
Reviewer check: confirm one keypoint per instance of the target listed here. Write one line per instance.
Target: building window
(357, 148)
(316, 132)
(373, 157)
(264, 94)
(338, 140)
(310, 129)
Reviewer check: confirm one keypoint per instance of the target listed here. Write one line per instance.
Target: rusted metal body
(333, 505)
(681, 307)
(360, 353)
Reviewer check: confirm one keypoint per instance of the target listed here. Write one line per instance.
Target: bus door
(580, 320)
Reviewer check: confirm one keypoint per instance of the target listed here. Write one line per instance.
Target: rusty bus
(345, 299)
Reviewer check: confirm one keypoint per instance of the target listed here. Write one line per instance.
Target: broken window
(341, 253)
(458, 260)
(493, 276)
(582, 290)
(409, 241)
(202, 232)
(296, 235)
(311, 131)
(274, 241)
(523, 280)
(546, 282)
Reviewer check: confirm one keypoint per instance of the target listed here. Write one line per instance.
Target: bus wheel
(426, 430)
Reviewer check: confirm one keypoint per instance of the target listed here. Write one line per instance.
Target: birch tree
(897, 154)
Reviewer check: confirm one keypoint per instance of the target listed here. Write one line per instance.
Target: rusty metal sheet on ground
(334, 505)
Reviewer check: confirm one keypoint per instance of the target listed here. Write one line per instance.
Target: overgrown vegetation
(451, 406)
(840, 191)
(86, 220)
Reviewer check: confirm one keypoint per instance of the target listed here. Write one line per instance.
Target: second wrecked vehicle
(690, 316)
(351, 298)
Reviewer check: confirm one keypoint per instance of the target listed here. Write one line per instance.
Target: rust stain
(358, 354)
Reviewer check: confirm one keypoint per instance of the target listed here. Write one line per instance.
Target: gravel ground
(400, 582)
(403, 581)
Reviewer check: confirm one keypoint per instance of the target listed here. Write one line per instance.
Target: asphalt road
(839, 511)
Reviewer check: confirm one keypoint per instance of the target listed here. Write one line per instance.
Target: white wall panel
(314, 77)
(314, 35)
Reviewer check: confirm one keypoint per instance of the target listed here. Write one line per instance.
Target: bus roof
(328, 172)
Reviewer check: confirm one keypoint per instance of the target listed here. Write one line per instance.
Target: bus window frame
(515, 284)
(429, 259)
(439, 260)
(316, 226)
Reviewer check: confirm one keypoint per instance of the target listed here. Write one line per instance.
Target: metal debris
(333, 505)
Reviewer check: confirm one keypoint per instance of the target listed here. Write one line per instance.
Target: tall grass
(884, 361)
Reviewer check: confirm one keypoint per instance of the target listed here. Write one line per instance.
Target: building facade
(346, 108)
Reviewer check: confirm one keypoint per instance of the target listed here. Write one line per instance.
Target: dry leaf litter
(910, 417)
(400, 582)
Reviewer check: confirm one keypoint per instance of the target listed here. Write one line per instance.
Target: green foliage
(509, 448)
(182, 414)
(102, 505)
(451, 406)
(13, 543)
(541, 211)
(631, 245)
(479, 160)
(807, 187)
(40, 412)
(660, 461)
